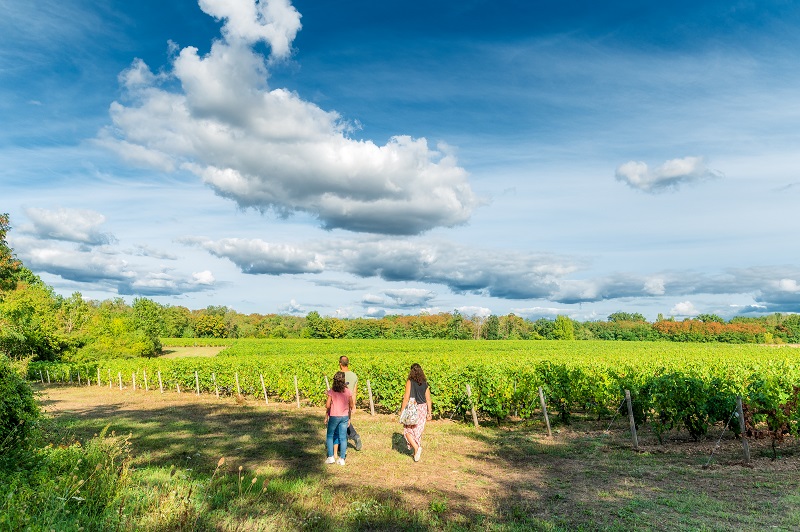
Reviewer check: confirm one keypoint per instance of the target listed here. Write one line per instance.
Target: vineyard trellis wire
(691, 388)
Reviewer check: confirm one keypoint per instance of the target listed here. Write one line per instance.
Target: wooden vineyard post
(745, 445)
(144, 375)
(632, 420)
(238, 388)
(119, 376)
(160, 384)
(371, 402)
(296, 391)
(178, 387)
(98, 376)
(196, 383)
(472, 407)
(133, 380)
(264, 389)
(41, 377)
(216, 388)
(327, 383)
(48, 375)
(79, 378)
(544, 412)
(69, 374)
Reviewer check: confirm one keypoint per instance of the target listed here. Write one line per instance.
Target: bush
(19, 411)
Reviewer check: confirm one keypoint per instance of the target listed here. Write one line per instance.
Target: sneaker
(330, 460)
(418, 454)
(358, 443)
(340, 461)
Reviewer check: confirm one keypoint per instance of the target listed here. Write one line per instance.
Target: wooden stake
(264, 389)
(238, 388)
(216, 388)
(745, 445)
(196, 383)
(160, 384)
(327, 383)
(48, 375)
(472, 407)
(41, 377)
(371, 402)
(144, 374)
(98, 376)
(632, 420)
(178, 387)
(296, 391)
(133, 380)
(79, 378)
(544, 412)
(119, 375)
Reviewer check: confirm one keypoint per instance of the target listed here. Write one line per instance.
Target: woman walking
(338, 408)
(417, 389)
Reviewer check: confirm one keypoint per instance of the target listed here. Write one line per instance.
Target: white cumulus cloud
(72, 225)
(685, 309)
(267, 148)
(668, 176)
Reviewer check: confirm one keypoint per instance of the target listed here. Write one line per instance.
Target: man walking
(351, 380)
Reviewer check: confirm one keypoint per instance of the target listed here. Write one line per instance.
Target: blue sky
(371, 158)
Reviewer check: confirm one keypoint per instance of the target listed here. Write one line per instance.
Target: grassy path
(494, 478)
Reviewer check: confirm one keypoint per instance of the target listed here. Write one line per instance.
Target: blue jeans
(337, 427)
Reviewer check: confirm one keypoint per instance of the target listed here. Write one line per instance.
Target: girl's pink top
(340, 402)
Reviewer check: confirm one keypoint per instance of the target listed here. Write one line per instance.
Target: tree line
(36, 323)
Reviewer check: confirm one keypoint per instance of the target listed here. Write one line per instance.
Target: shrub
(18, 408)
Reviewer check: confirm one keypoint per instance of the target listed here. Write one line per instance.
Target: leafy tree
(710, 318)
(9, 265)
(626, 316)
(491, 331)
(563, 329)
(32, 328)
(148, 317)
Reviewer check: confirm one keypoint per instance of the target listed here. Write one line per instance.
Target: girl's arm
(406, 395)
(430, 403)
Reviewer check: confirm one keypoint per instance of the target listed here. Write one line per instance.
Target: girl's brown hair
(416, 374)
(338, 382)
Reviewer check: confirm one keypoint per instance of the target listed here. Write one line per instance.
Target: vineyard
(688, 387)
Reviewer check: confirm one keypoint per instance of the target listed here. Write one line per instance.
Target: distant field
(190, 351)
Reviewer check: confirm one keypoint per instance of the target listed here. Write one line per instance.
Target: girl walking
(338, 408)
(417, 389)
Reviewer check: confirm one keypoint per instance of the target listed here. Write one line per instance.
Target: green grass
(502, 477)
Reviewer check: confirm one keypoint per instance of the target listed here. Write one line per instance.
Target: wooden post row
(264, 389)
(745, 445)
(296, 391)
(632, 420)
(472, 407)
(544, 412)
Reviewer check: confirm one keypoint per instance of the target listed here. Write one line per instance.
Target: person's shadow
(399, 443)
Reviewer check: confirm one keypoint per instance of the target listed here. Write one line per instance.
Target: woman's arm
(430, 403)
(328, 402)
(406, 395)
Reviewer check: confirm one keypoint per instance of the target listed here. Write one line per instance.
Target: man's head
(344, 361)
